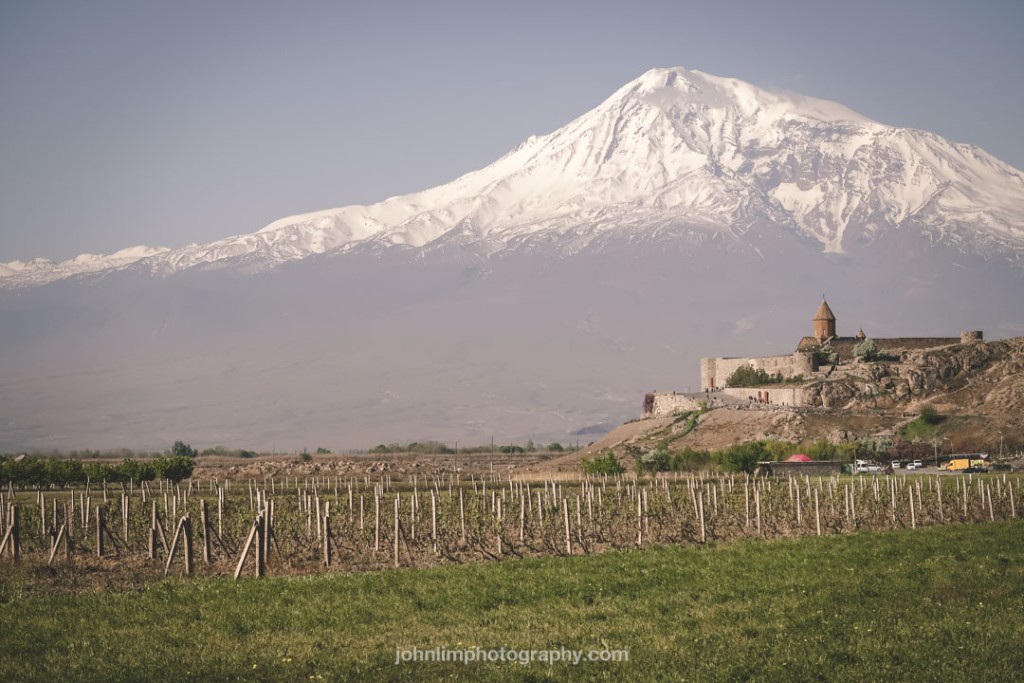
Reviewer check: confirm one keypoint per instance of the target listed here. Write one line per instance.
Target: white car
(868, 468)
(896, 464)
(916, 465)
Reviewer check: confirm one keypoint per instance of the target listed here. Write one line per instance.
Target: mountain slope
(672, 148)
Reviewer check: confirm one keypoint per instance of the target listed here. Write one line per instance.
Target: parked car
(870, 467)
(896, 464)
(916, 465)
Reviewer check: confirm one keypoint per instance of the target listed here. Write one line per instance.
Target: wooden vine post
(327, 549)
(99, 531)
(396, 530)
(261, 549)
(817, 514)
(568, 537)
(204, 521)
(12, 537)
(245, 549)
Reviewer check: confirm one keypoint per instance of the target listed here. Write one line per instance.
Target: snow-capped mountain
(673, 149)
(537, 298)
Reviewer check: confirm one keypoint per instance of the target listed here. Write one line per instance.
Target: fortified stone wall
(715, 371)
(844, 346)
(913, 343)
(773, 394)
(661, 404)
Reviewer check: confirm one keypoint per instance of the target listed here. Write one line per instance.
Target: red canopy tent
(798, 457)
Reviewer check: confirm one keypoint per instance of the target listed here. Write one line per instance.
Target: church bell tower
(824, 322)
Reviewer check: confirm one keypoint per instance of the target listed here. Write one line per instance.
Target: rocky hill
(976, 389)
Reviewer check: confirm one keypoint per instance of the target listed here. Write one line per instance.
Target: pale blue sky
(164, 123)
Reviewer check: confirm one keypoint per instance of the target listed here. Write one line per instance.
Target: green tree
(867, 350)
(174, 468)
(134, 470)
(183, 450)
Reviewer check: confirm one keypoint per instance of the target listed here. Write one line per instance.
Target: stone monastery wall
(661, 404)
(715, 371)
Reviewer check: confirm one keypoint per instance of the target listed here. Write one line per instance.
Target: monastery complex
(815, 357)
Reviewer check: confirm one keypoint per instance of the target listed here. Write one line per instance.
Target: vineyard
(299, 526)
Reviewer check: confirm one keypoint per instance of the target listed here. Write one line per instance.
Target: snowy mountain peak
(673, 150)
(672, 88)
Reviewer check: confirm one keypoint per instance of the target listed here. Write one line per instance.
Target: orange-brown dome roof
(824, 312)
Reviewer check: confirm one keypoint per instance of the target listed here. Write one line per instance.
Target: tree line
(439, 448)
(744, 457)
(35, 471)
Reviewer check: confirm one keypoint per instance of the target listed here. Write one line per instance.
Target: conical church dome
(824, 312)
(824, 322)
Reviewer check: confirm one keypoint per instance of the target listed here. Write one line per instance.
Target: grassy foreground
(942, 603)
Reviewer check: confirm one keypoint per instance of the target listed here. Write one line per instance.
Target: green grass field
(942, 603)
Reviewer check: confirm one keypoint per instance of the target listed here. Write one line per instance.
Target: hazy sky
(164, 123)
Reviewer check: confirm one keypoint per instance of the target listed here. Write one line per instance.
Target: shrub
(661, 460)
(929, 415)
(867, 350)
(602, 464)
(743, 457)
(924, 426)
(747, 376)
(826, 355)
